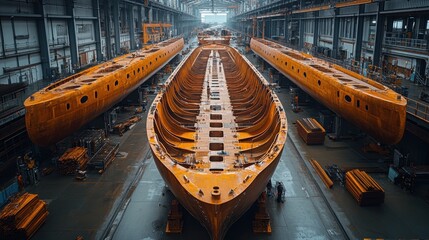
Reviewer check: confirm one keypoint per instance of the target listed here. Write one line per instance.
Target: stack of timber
(120, 128)
(322, 174)
(73, 159)
(104, 156)
(21, 218)
(91, 139)
(311, 131)
(364, 188)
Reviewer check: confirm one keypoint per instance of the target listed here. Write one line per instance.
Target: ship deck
(323, 66)
(129, 201)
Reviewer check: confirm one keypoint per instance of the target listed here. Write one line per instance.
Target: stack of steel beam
(364, 188)
(72, 160)
(104, 156)
(91, 139)
(311, 131)
(21, 218)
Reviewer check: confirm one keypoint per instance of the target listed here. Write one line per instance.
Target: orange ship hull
(369, 105)
(63, 107)
(216, 132)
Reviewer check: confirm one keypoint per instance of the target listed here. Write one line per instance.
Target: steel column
(107, 29)
(71, 24)
(335, 34)
(116, 30)
(316, 30)
(359, 33)
(130, 9)
(97, 30)
(42, 35)
(379, 32)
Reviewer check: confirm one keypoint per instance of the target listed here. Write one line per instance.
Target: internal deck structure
(216, 132)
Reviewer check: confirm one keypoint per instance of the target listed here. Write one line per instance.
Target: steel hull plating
(372, 107)
(65, 106)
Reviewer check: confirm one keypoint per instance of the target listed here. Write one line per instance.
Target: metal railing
(406, 42)
(418, 109)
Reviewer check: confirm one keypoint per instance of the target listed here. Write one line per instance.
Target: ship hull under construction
(369, 105)
(65, 106)
(216, 132)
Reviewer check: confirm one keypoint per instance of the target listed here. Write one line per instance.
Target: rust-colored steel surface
(216, 132)
(64, 106)
(373, 107)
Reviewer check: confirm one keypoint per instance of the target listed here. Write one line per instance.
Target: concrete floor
(129, 201)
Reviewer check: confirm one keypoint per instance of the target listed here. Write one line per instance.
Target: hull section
(216, 133)
(374, 108)
(65, 106)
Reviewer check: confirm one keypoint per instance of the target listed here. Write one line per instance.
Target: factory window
(357, 103)
(68, 106)
(116, 83)
(305, 74)
(319, 82)
(96, 94)
(348, 98)
(128, 75)
(84, 99)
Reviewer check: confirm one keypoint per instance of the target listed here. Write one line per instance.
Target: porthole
(84, 99)
(116, 83)
(293, 68)
(134, 72)
(150, 63)
(68, 106)
(338, 93)
(138, 70)
(348, 98)
(96, 94)
(298, 70)
(142, 69)
(305, 74)
(156, 59)
(285, 63)
(366, 107)
(108, 88)
(357, 103)
(319, 83)
(128, 75)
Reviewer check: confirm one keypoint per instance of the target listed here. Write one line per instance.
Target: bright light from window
(210, 17)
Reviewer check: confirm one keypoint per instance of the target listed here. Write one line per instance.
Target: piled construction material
(120, 128)
(73, 159)
(104, 156)
(364, 188)
(21, 218)
(91, 139)
(311, 131)
(322, 174)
